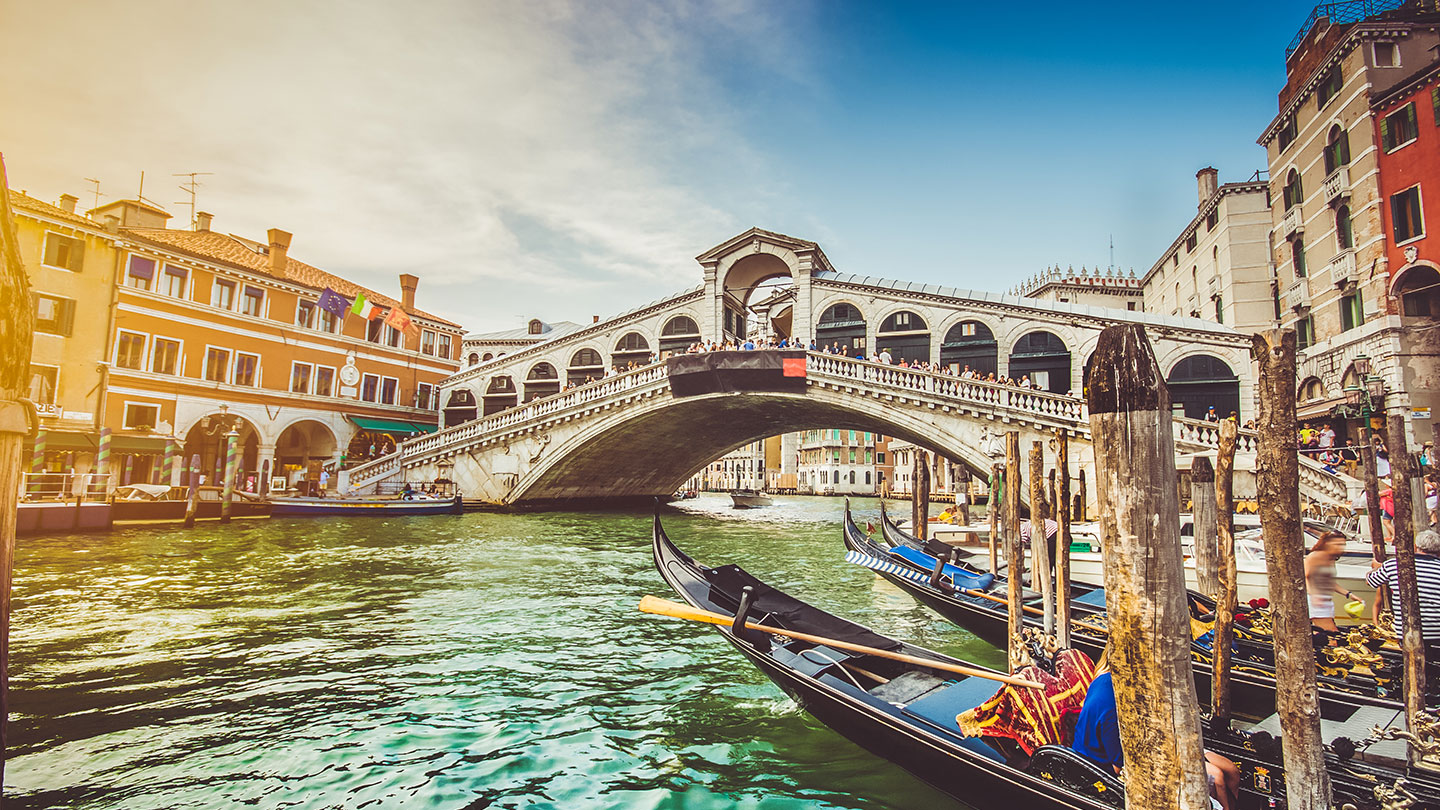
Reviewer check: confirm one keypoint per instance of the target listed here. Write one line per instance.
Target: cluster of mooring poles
(1146, 603)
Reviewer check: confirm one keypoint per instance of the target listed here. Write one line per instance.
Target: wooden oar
(664, 607)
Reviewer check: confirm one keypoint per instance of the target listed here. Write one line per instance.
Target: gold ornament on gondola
(1395, 797)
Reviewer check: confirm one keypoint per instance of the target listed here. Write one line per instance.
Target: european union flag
(333, 303)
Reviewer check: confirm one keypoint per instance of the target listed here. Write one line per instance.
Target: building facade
(835, 461)
(1328, 230)
(193, 335)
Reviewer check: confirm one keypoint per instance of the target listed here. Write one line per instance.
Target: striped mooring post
(231, 441)
(37, 459)
(169, 472)
(102, 460)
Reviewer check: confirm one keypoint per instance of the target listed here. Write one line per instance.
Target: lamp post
(1366, 396)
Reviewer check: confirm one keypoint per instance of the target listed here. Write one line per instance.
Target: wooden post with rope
(1277, 473)
(960, 481)
(1227, 597)
(1014, 558)
(17, 420)
(1372, 502)
(1040, 571)
(1202, 511)
(1159, 717)
(992, 507)
(920, 494)
(1407, 586)
(1062, 548)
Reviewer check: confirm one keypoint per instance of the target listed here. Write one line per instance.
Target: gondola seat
(1064, 766)
(1095, 598)
(940, 707)
(962, 578)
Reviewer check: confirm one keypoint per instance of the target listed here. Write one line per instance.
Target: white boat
(749, 499)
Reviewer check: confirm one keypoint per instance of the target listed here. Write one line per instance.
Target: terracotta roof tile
(238, 252)
(25, 202)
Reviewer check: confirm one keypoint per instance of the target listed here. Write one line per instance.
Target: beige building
(1097, 288)
(1218, 267)
(1327, 237)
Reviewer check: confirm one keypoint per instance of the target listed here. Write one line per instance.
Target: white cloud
(526, 158)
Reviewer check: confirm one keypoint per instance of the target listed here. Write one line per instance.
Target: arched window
(1312, 389)
(500, 394)
(970, 343)
(631, 348)
(1044, 358)
(585, 365)
(1200, 382)
(904, 335)
(1337, 149)
(903, 322)
(1344, 228)
(488, 357)
(1294, 194)
(474, 359)
(841, 325)
(1419, 291)
(1297, 256)
(678, 333)
(542, 381)
(536, 326)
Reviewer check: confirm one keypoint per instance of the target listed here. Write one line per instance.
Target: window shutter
(67, 316)
(1435, 102)
(1385, 134)
(1410, 116)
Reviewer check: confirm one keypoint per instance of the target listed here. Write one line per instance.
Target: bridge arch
(967, 340)
(1200, 380)
(843, 323)
(634, 346)
(679, 332)
(904, 333)
(500, 394)
(1043, 356)
(541, 381)
(587, 363)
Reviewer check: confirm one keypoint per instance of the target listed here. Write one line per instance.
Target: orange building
(211, 333)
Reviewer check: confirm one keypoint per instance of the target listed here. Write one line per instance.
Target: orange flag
(397, 319)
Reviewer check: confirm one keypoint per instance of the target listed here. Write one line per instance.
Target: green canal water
(465, 662)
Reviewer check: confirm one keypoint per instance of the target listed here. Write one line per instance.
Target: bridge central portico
(628, 435)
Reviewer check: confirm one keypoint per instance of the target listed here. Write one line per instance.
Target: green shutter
(1435, 102)
(1385, 134)
(1410, 116)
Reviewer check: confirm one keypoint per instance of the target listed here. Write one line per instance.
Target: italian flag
(364, 308)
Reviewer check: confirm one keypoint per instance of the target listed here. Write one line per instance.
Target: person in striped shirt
(1427, 577)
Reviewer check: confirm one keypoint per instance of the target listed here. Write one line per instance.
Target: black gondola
(908, 719)
(1252, 683)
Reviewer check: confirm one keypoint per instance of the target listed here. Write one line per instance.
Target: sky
(553, 159)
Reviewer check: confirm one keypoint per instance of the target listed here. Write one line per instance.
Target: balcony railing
(1339, 13)
(1297, 295)
(1292, 223)
(1342, 268)
(1337, 185)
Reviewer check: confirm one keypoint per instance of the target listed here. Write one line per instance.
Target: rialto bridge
(513, 436)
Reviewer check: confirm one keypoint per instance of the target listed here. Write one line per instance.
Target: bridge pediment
(790, 249)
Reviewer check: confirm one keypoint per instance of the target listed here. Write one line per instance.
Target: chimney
(594, 318)
(202, 221)
(407, 291)
(279, 252)
(112, 223)
(67, 203)
(1208, 180)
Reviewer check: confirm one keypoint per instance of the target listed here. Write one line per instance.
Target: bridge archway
(541, 381)
(1200, 381)
(970, 343)
(1044, 358)
(585, 365)
(678, 333)
(905, 335)
(500, 394)
(842, 325)
(631, 348)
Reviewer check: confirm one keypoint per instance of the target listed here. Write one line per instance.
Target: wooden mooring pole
(1130, 426)
(1014, 556)
(17, 314)
(1062, 517)
(1372, 500)
(194, 494)
(920, 494)
(1227, 597)
(1411, 642)
(960, 481)
(1040, 571)
(1202, 513)
(993, 507)
(1277, 472)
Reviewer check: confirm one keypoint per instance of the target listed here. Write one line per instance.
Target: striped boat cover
(885, 566)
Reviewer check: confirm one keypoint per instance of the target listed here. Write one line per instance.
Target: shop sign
(1419, 413)
(50, 410)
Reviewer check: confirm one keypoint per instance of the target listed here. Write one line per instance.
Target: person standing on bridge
(885, 357)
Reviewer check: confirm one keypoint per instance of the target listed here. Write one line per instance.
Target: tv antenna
(192, 186)
(97, 190)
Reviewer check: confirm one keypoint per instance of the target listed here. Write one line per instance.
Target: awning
(389, 425)
(1318, 409)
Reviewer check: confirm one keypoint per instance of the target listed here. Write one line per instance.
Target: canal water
(465, 662)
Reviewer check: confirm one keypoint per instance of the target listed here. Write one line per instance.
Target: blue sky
(560, 159)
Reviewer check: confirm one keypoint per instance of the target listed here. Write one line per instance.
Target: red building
(1407, 129)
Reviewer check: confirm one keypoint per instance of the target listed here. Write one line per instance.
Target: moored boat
(367, 507)
(749, 499)
(906, 712)
(135, 504)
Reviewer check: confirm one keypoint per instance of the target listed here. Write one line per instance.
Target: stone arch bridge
(630, 437)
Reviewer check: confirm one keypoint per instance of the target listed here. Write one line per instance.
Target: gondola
(1343, 687)
(909, 718)
(366, 507)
